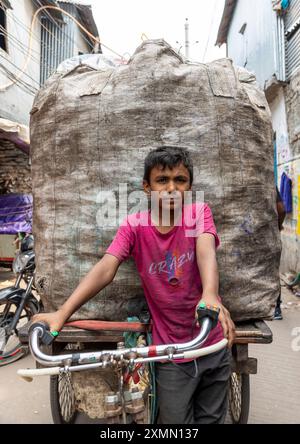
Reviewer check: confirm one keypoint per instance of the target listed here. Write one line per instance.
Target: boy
(177, 272)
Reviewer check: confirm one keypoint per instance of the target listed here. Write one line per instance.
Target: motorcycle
(18, 305)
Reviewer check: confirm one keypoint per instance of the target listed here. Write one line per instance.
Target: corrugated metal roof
(78, 2)
(84, 11)
(225, 21)
(6, 4)
(86, 16)
(57, 15)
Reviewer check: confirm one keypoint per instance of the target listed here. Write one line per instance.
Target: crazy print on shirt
(172, 265)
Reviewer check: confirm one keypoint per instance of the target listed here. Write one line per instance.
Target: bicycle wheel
(239, 398)
(62, 399)
(13, 349)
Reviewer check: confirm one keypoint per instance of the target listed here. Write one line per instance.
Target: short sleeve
(209, 225)
(123, 242)
(198, 219)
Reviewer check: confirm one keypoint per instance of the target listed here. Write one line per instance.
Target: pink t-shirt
(168, 269)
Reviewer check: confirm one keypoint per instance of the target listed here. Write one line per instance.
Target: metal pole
(187, 43)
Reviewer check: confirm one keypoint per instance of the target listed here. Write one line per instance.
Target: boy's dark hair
(167, 157)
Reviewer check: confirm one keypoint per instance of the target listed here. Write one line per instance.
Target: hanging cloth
(286, 192)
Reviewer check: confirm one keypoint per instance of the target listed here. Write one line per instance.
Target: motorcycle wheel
(13, 349)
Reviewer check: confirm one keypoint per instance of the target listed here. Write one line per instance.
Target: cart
(109, 335)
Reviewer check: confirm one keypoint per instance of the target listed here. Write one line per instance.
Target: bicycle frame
(121, 356)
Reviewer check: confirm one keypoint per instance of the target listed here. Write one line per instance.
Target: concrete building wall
(293, 112)
(81, 43)
(280, 127)
(255, 48)
(284, 163)
(16, 100)
(261, 50)
(291, 166)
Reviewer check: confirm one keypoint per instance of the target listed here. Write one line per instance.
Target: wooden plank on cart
(255, 332)
(71, 334)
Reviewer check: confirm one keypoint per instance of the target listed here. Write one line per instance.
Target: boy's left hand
(224, 318)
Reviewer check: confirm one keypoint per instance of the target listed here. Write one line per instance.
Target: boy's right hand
(55, 320)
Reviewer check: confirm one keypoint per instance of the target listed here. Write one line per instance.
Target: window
(3, 41)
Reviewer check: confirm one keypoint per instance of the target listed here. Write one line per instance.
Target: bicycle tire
(61, 387)
(18, 351)
(239, 398)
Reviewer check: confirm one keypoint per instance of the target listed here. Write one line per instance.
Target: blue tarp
(15, 213)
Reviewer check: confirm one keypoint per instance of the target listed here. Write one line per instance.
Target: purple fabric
(286, 193)
(15, 213)
(13, 137)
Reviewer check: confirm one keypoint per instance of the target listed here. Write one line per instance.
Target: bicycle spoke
(66, 396)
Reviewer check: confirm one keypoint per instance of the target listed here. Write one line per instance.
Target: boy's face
(170, 183)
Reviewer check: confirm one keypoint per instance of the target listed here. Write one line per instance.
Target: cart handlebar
(78, 361)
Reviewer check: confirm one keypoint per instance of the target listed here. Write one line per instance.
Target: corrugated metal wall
(292, 41)
(57, 42)
(280, 54)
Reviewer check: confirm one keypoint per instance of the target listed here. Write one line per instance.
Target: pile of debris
(15, 171)
(15, 183)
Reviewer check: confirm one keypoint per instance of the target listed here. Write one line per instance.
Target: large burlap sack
(91, 130)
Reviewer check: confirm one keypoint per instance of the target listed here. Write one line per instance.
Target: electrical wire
(17, 43)
(36, 39)
(38, 4)
(43, 45)
(21, 83)
(29, 30)
(210, 31)
(59, 41)
(26, 28)
(49, 68)
(15, 66)
(44, 8)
